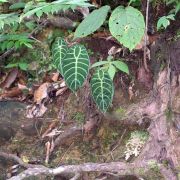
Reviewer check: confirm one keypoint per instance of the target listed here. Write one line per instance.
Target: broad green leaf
(23, 66)
(111, 71)
(11, 65)
(121, 66)
(127, 26)
(28, 45)
(102, 89)
(59, 51)
(17, 5)
(10, 44)
(164, 21)
(1, 1)
(100, 63)
(75, 67)
(92, 22)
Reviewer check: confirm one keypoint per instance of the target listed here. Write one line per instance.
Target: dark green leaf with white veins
(75, 67)
(102, 89)
(92, 22)
(59, 51)
(127, 26)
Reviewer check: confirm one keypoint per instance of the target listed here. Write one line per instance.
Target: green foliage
(59, 51)
(164, 21)
(127, 26)
(102, 89)
(40, 8)
(2, 1)
(75, 66)
(21, 65)
(112, 66)
(18, 5)
(92, 22)
(8, 19)
(175, 4)
(8, 41)
(72, 63)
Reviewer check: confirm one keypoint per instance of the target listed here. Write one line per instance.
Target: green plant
(175, 4)
(8, 19)
(126, 24)
(40, 8)
(92, 22)
(164, 21)
(112, 66)
(8, 41)
(73, 64)
(21, 65)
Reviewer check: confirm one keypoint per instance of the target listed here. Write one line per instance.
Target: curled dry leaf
(36, 111)
(41, 93)
(61, 91)
(10, 78)
(50, 127)
(114, 50)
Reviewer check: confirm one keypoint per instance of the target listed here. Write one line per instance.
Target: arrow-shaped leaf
(75, 67)
(102, 89)
(59, 51)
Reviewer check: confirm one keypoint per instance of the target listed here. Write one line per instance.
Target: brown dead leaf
(41, 93)
(55, 76)
(50, 127)
(114, 50)
(36, 111)
(14, 92)
(10, 78)
(61, 91)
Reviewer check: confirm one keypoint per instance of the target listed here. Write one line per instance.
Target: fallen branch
(119, 167)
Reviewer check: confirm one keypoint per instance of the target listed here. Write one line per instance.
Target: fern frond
(8, 41)
(41, 8)
(8, 19)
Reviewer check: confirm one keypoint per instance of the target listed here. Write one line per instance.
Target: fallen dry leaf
(55, 76)
(14, 92)
(41, 93)
(50, 127)
(10, 78)
(37, 110)
(61, 91)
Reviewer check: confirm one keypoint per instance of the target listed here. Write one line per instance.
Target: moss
(79, 117)
(153, 166)
(120, 112)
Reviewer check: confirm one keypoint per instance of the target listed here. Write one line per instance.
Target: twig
(15, 159)
(145, 37)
